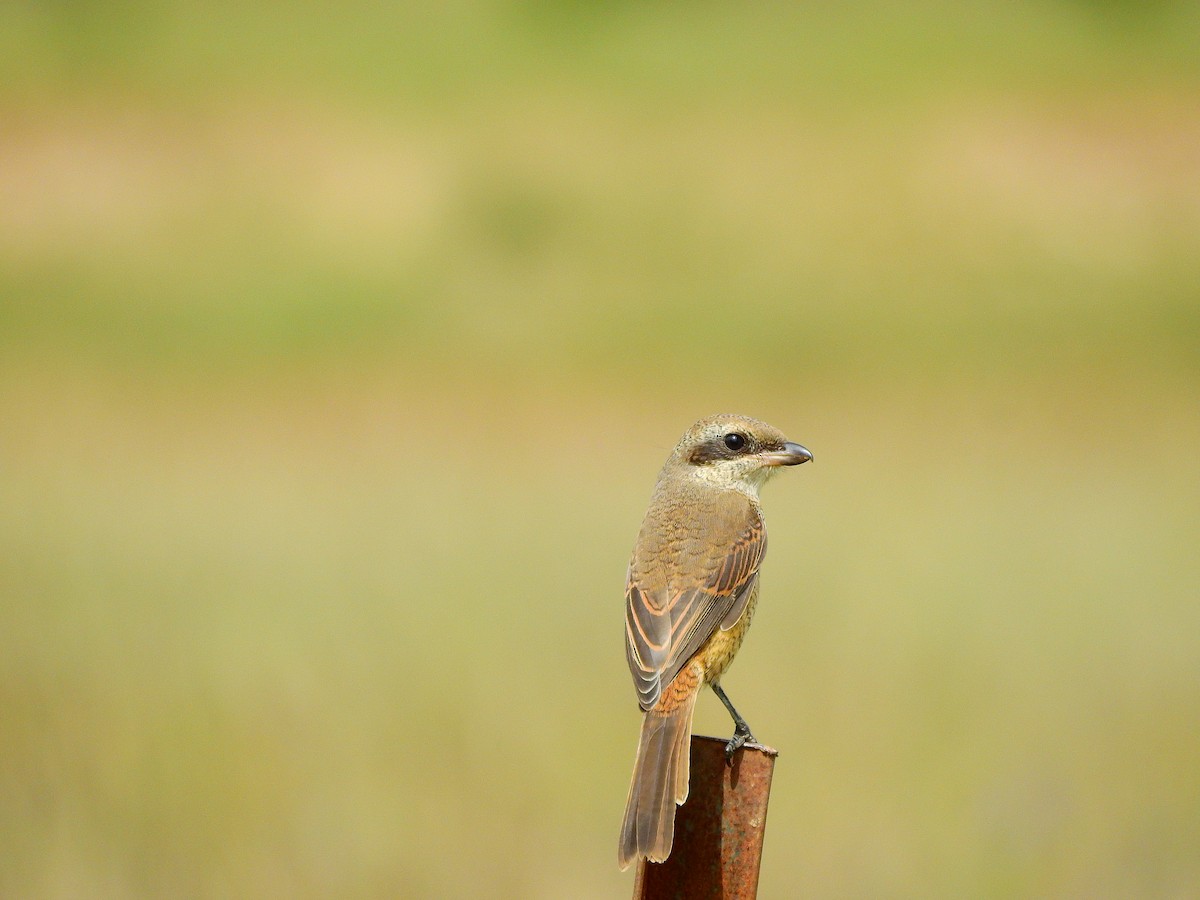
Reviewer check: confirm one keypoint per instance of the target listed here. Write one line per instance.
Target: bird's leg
(741, 731)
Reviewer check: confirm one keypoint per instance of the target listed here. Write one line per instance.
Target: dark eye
(735, 441)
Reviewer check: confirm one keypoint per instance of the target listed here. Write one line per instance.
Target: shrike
(689, 597)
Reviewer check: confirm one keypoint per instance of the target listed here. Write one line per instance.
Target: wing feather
(672, 609)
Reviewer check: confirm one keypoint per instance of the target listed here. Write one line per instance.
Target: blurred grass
(338, 352)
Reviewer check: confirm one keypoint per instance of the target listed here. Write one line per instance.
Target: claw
(741, 737)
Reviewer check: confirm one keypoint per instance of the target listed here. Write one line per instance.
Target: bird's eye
(735, 441)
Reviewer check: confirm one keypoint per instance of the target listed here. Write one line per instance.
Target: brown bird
(689, 597)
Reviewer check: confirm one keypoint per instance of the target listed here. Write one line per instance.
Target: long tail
(660, 775)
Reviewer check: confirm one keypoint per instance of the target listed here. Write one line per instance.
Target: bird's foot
(741, 737)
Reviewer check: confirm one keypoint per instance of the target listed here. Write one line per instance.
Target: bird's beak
(790, 455)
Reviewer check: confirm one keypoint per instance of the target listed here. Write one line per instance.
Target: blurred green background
(340, 347)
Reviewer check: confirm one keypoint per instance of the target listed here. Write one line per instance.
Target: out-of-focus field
(339, 348)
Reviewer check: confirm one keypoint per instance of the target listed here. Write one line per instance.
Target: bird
(690, 593)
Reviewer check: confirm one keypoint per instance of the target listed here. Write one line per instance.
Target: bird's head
(734, 452)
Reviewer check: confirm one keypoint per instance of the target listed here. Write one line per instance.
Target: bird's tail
(660, 775)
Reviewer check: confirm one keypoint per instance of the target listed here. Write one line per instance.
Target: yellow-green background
(340, 345)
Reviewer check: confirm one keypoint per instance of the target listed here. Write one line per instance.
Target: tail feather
(660, 775)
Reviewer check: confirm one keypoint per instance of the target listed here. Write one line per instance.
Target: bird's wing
(710, 580)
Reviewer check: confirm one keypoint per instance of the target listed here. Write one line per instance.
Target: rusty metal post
(718, 831)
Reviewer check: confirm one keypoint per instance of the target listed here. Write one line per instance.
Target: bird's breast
(719, 650)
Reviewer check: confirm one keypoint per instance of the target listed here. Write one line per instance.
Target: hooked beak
(790, 455)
